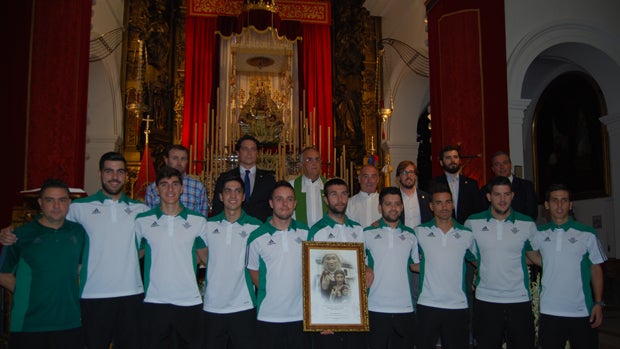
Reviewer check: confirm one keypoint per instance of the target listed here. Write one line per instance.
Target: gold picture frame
(334, 287)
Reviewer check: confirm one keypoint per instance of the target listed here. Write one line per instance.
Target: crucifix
(147, 129)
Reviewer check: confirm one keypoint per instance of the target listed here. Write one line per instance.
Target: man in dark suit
(416, 209)
(258, 183)
(465, 191)
(524, 200)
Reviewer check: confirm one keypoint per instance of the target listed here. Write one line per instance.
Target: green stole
(301, 211)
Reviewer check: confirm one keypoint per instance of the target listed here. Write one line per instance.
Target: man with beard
(362, 207)
(275, 268)
(335, 226)
(502, 308)
(465, 191)
(392, 249)
(443, 311)
(113, 291)
(194, 195)
(309, 188)
(415, 201)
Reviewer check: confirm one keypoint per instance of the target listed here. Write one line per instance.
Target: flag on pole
(146, 174)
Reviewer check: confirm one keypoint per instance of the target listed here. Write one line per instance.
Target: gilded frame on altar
(334, 291)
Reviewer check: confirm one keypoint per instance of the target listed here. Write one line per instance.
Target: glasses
(312, 159)
(407, 173)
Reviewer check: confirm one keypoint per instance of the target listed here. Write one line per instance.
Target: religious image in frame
(334, 293)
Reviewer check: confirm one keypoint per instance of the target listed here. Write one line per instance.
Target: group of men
(417, 246)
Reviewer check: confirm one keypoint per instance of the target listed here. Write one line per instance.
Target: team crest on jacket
(457, 235)
(243, 234)
(128, 210)
(572, 240)
(298, 240)
(514, 230)
(186, 225)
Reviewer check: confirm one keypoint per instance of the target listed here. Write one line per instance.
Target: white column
(516, 115)
(612, 122)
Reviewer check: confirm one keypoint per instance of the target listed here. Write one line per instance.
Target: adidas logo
(354, 235)
(96, 211)
(331, 236)
(431, 235)
(128, 210)
(298, 240)
(216, 231)
(154, 224)
(485, 228)
(547, 239)
(271, 242)
(377, 236)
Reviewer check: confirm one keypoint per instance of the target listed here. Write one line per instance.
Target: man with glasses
(416, 209)
(309, 188)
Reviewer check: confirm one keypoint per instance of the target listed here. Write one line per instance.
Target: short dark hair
(448, 148)
(233, 177)
(334, 181)
(498, 180)
(174, 147)
(555, 187)
(111, 156)
(389, 191)
(280, 184)
(403, 165)
(498, 153)
(245, 138)
(53, 183)
(437, 187)
(168, 172)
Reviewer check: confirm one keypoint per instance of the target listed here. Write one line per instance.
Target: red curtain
(316, 65)
(200, 55)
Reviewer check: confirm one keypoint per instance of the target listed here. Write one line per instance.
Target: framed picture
(334, 279)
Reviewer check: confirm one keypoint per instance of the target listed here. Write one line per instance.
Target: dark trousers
(233, 330)
(112, 320)
(451, 325)
(284, 335)
(392, 330)
(554, 331)
(494, 322)
(340, 340)
(66, 339)
(166, 325)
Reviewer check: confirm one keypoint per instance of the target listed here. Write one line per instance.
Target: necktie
(247, 185)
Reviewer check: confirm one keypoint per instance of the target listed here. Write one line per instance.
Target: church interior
(365, 81)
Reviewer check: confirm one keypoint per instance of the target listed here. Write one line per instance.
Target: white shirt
(442, 265)
(411, 208)
(453, 183)
(226, 288)
(252, 177)
(364, 208)
(113, 268)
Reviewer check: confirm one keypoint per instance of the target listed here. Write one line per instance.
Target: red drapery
(316, 66)
(468, 80)
(200, 53)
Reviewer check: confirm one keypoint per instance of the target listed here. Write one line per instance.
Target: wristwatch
(601, 303)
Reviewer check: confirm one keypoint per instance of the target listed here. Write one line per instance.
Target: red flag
(146, 174)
